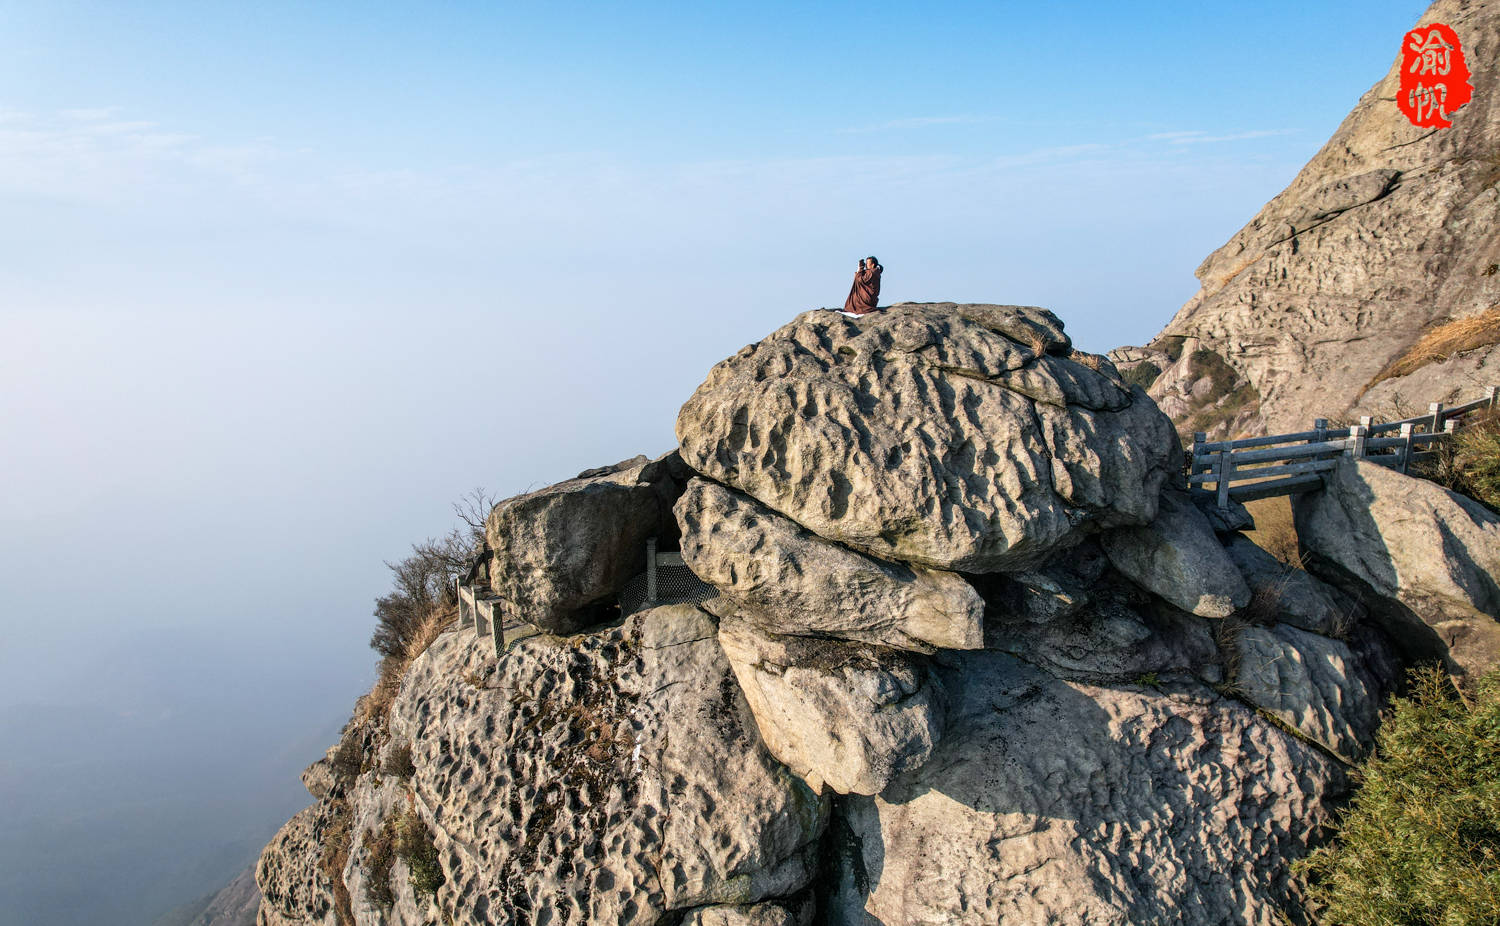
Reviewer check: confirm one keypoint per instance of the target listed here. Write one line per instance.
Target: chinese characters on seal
(1434, 77)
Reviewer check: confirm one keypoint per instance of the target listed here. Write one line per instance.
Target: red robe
(865, 291)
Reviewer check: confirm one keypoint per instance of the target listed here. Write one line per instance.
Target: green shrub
(1420, 843)
(1142, 374)
(415, 846)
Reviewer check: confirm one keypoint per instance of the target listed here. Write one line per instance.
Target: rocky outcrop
(1178, 558)
(953, 436)
(1385, 233)
(847, 715)
(853, 731)
(560, 555)
(787, 580)
(1425, 559)
(1058, 802)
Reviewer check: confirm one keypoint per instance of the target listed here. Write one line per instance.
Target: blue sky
(278, 282)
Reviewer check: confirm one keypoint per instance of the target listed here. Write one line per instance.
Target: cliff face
(1319, 306)
(959, 649)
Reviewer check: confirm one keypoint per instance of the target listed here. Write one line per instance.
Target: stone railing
(1282, 464)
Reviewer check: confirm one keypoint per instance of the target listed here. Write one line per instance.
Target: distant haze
(278, 284)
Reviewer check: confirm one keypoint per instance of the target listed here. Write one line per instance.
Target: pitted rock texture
(1063, 803)
(1313, 683)
(1386, 231)
(1426, 559)
(787, 580)
(560, 555)
(952, 436)
(1178, 558)
(847, 715)
(605, 778)
(294, 891)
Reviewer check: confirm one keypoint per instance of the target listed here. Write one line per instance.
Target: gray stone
(760, 914)
(846, 715)
(293, 890)
(1178, 558)
(1429, 556)
(787, 580)
(318, 777)
(937, 434)
(1063, 803)
(1313, 684)
(607, 778)
(560, 555)
(1293, 596)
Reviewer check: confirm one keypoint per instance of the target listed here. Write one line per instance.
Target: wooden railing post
(1406, 431)
(1436, 408)
(1320, 427)
(1491, 393)
(1367, 422)
(1450, 427)
(1222, 472)
(1199, 439)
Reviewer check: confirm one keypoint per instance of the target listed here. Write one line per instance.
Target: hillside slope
(1372, 282)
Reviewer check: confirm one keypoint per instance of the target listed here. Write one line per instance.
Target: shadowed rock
(1178, 558)
(1430, 557)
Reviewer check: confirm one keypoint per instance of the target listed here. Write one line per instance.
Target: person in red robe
(866, 288)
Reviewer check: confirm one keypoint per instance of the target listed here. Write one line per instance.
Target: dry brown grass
(1274, 530)
(373, 707)
(1443, 341)
(1094, 362)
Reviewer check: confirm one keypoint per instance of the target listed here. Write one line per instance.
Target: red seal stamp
(1434, 78)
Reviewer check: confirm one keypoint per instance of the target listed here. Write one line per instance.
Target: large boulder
(954, 436)
(1312, 683)
(560, 555)
(787, 580)
(1178, 558)
(847, 715)
(1065, 803)
(612, 777)
(1429, 556)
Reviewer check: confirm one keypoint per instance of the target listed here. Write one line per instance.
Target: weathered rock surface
(1063, 803)
(1296, 596)
(1313, 683)
(761, 914)
(293, 890)
(1430, 557)
(953, 436)
(560, 555)
(847, 715)
(1386, 231)
(317, 778)
(1081, 623)
(1178, 558)
(605, 778)
(787, 580)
